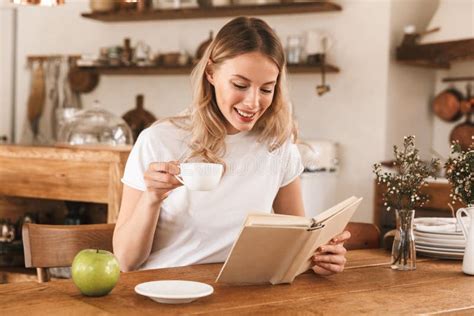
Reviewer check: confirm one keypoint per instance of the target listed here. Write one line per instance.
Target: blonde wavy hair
(204, 119)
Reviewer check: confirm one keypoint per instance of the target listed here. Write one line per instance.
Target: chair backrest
(363, 236)
(48, 246)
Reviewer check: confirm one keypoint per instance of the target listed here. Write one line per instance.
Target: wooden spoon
(36, 98)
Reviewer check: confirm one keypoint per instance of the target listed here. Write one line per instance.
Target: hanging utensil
(464, 132)
(138, 119)
(323, 87)
(36, 98)
(82, 81)
(447, 105)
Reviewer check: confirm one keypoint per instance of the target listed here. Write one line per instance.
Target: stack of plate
(439, 237)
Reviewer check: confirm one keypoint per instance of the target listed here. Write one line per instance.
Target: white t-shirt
(201, 226)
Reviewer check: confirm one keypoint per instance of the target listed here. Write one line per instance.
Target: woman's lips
(245, 116)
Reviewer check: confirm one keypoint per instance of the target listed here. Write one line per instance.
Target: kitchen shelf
(186, 70)
(214, 12)
(436, 55)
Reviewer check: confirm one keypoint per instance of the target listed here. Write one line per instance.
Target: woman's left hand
(330, 258)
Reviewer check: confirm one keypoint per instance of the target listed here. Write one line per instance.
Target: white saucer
(174, 291)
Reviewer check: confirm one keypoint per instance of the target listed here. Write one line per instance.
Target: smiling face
(244, 88)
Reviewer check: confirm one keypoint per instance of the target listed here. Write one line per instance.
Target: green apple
(95, 272)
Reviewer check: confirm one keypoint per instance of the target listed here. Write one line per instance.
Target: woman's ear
(209, 73)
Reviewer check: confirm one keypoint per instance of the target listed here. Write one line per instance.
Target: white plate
(174, 291)
(447, 250)
(441, 242)
(440, 254)
(439, 236)
(439, 225)
(448, 247)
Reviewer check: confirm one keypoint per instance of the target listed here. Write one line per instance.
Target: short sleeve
(292, 164)
(138, 160)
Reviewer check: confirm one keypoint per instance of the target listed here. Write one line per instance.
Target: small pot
(7, 231)
(463, 133)
(447, 105)
(103, 5)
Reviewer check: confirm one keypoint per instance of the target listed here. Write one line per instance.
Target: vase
(403, 249)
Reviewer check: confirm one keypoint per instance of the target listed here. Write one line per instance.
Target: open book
(276, 248)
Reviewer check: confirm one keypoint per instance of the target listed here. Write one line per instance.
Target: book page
(262, 254)
(334, 210)
(265, 219)
(332, 227)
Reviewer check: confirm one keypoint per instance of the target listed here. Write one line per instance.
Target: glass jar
(96, 126)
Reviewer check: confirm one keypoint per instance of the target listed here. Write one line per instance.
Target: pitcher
(468, 261)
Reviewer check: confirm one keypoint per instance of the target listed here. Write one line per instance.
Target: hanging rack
(41, 58)
(454, 79)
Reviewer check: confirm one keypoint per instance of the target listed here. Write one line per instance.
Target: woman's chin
(237, 128)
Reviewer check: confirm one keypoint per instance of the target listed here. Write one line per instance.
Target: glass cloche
(96, 126)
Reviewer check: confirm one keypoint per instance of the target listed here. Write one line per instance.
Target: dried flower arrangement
(403, 187)
(403, 194)
(460, 173)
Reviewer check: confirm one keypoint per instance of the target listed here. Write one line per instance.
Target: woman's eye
(266, 91)
(238, 86)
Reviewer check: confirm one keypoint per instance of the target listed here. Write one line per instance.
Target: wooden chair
(48, 246)
(363, 236)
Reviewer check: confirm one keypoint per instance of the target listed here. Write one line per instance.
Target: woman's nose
(252, 99)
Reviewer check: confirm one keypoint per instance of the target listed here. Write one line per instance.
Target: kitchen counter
(86, 174)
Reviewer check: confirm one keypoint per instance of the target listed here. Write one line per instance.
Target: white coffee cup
(200, 176)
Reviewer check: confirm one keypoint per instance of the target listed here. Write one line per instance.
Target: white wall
(6, 70)
(410, 88)
(355, 113)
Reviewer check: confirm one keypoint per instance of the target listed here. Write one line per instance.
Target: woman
(240, 118)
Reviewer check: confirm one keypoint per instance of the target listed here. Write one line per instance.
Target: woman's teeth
(245, 114)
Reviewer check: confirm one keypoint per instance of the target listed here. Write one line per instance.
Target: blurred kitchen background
(130, 53)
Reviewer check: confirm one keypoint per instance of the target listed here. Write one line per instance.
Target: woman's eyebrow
(246, 79)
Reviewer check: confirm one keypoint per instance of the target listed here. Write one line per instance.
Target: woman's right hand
(160, 179)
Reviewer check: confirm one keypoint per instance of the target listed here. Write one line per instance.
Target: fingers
(340, 260)
(159, 177)
(329, 259)
(171, 167)
(163, 172)
(323, 268)
(341, 238)
(321, 271)
(337, 249)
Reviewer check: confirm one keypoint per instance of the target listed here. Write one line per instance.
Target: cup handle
(179, 179)
(460, 221)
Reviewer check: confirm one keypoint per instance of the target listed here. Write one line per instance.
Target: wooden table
(86, 174)
(367, 286)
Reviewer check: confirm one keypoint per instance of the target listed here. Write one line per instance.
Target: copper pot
(464, 133)
(447, 105)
